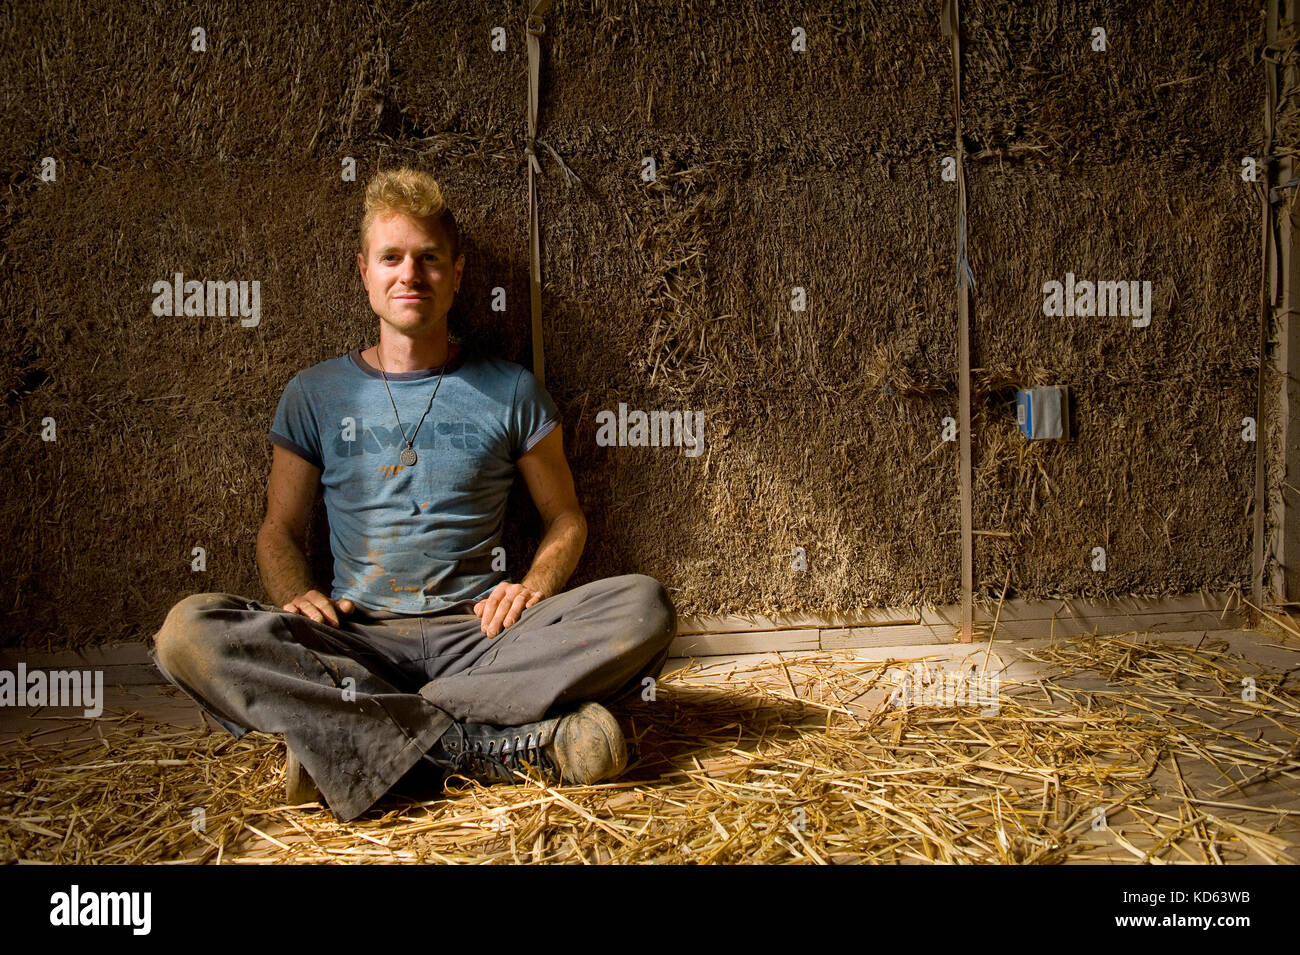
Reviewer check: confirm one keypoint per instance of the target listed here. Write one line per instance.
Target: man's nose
(408, 270)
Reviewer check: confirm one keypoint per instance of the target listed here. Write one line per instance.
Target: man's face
(409, 273)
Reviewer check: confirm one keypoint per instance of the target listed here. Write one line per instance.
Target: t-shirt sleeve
(294, 425)
(533, 415)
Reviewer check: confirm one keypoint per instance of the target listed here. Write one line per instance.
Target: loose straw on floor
(782, 767)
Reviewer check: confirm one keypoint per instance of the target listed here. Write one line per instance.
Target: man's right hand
(320, 608)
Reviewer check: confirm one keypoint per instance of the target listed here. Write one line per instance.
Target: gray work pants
(359, 704)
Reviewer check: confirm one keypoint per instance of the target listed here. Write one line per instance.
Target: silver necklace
(408, 456)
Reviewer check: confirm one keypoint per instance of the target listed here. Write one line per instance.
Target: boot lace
(497, 757)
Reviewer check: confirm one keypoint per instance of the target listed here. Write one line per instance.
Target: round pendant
(408, 456)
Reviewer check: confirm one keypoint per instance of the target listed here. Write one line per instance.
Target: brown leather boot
(582, 747)
(299, 787)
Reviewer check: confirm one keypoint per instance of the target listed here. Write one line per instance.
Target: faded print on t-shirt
(415, 539)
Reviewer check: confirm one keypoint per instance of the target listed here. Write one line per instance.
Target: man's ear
(361, 267)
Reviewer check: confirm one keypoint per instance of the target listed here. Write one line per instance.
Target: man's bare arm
(550, 482)
(558, 554)
(282, 565)
(282, 540)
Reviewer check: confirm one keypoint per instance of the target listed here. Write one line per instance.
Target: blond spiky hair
(410, 192)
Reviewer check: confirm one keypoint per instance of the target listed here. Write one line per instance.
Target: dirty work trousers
(359, 704)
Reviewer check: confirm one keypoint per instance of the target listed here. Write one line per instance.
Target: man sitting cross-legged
(423, 651)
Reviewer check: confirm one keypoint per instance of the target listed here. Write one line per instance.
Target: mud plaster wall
(775, 169)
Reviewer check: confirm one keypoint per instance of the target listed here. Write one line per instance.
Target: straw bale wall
(775, 169)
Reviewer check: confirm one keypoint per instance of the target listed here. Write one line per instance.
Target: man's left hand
(504, 605)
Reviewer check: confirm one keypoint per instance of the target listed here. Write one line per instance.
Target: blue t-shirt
(415, 539)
